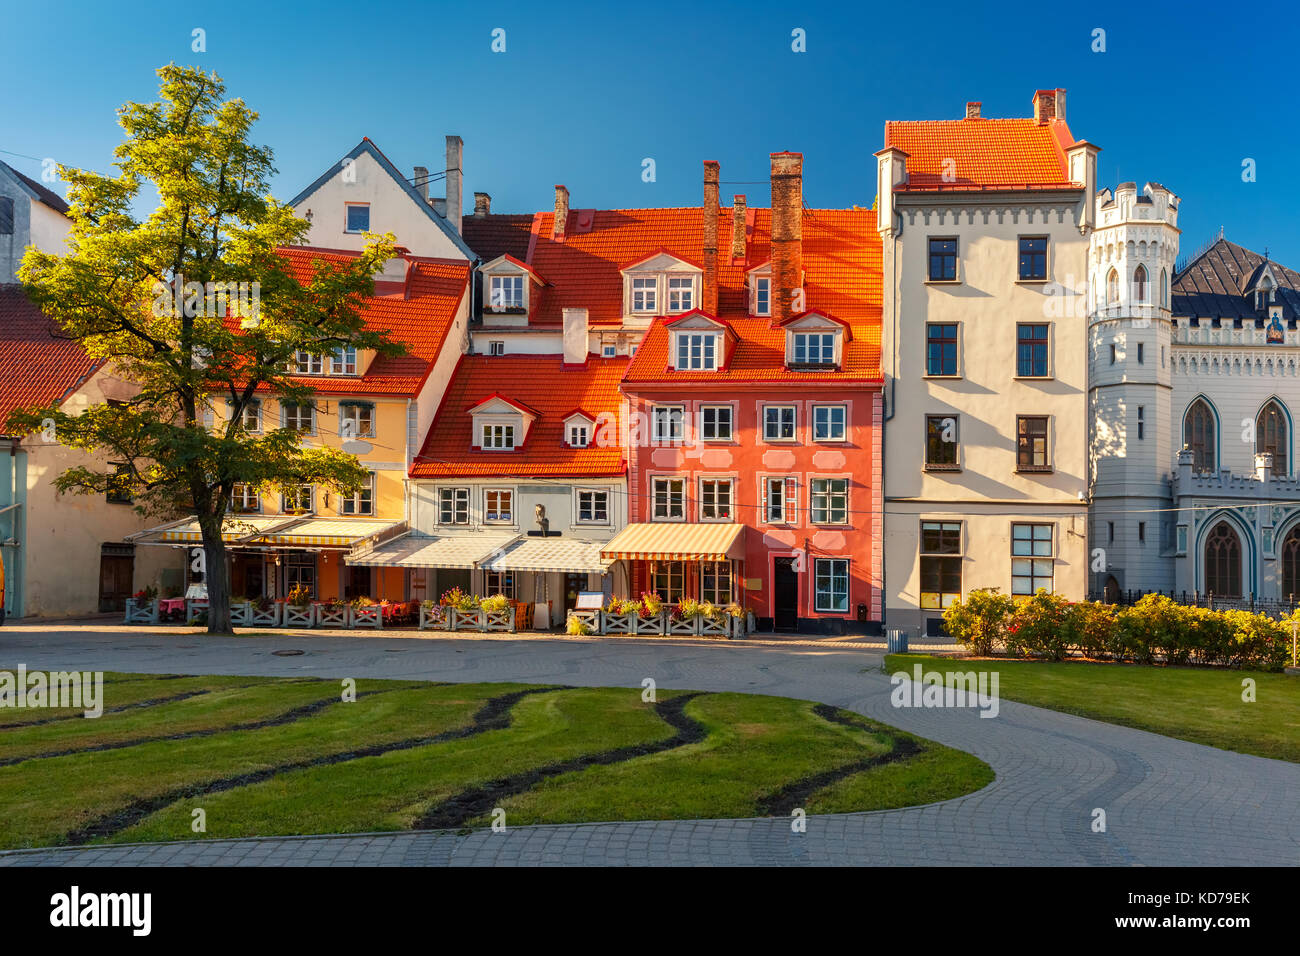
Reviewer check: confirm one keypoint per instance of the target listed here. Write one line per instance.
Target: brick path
(1167, 802)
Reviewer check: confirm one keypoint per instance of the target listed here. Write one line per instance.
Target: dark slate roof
(498, 234)
(43, 193)
(1212, 286)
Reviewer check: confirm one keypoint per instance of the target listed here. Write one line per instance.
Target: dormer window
(356, 217)
(305, 363)
(499, 437)
(500, 424)
(815, 341)
(578, 436)
(645, 295)
(681, 294)
(661, 284)
(762, 295)
(507, 292)
(813, 348)
(344, 361)
(578, 429)
(506, 286)
(697, 351)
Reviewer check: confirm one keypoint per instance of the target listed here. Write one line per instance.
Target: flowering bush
(577, 626)
(146, 595)
(686, 609)
(299, 596)
(1095, 627)
(495, 603)
(1043, 625)
(652, 603)
(981, 620)
(735, 610)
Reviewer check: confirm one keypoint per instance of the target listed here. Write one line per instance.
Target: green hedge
(1049, 626)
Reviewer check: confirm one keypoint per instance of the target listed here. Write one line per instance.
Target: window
(1223, 562)
(668, 580)
(763, 296)
(1142, 424)
(302, 500)
(941, 349)
(1033, 257)
(498, 505)
(300, 571)
(814, 348)
(6, 216)
(940, 563)
(300, 416)
(1142, 531)
(308, 364)
(1164, 288)
(578, 435)
(356, 420)
(244, 497)
(941, 443)
(499, 436)
(1031, 443)
(830, 500)
(831, 585)
(1271, 437)
(943, 260)
(669, 499)
(829, 422)
(681, 294)
(119, 488)
(501, 582)
(453, 506)
(506, 292)
(1031, 558)
(1141, 354)
(1110, 532)
(593, 506)
(715, 581)
(344, 361)
(778, 423)
(645, 295)
(608, 350)
(1199, 436)
(496, 347)
(357, 217)
(715, 499)
(715, 423)
(1140, 284)
(697, 350)
(361, 503)
(779, 497)
(1112, 353)
(667, 423)
(252, 416)
(1112, 288)
(1031, 350)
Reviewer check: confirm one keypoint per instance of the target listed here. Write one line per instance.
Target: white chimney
(455, 180)
(575, 336)
(422, 182)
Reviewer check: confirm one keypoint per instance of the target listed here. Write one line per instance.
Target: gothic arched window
(1140, 284)
(1271, 435)
(1223, 561)
(1198, 435)
(1112, 288)
(1164, 288)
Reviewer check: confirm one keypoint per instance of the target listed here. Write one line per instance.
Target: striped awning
(325, 532)
(431, 551)
(662, 541)
(269, 531)
(236, 528)
(550, 554)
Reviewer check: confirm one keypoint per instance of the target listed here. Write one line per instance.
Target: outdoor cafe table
(169, 608)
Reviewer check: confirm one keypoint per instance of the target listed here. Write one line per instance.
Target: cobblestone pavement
(1167, 802)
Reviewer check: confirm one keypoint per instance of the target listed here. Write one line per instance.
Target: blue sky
(584, 92)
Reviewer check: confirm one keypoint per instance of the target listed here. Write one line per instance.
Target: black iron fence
(1273, 608)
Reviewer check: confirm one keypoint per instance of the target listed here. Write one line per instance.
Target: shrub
(577, 626)
(652, 603)
(1154, 625)
(495, 604)
(981, 620)
(1094, 628)
(299, 596)
(1258, 641)
(1043, 625)
(686, 609)
(735, 610)
(452, 597)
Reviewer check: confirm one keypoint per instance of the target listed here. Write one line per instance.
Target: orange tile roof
(37, 366)
(984, 153)
(421, 321)
(547, 386)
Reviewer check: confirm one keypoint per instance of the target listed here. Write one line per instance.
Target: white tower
(1132, 435)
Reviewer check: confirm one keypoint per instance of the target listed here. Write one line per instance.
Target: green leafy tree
(162, 302)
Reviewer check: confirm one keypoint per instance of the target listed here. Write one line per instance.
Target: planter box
(652, 625)
(268, 618)
(146, 613)
(331, 617)
(740, 626)
(370, 615)
(436, 618)
(497, 620)
(193, 607)
(295, 616)
(241, 614)
(619, 624)
(689, 625)
(709, 627)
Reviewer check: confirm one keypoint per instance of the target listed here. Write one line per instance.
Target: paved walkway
(1167, 802)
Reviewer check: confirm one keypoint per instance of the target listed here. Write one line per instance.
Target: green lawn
(263, 756)
(1203, 705)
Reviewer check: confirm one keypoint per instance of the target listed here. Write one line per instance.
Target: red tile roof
(982, 153)
(545, 385)
(420, 319)
(36, 365)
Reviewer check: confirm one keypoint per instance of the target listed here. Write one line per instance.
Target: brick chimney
(710, 296)
(421, 183)
(738, 212)
(455, 181)
(787, 233)
(482, 205)
(561, 213)
(1044, 106)
(973, 110)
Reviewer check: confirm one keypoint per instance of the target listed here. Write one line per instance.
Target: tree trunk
(216, 577)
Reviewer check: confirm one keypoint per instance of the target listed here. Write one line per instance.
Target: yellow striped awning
(325, 532)
(234, 528)
(663, 541)
(550, 554)
(302, 531)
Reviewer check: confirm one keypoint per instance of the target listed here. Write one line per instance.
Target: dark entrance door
(449, 578)
(115, 574)
(785, 595)
(573, 583)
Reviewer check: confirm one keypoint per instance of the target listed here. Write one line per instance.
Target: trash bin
(896, 640)
(862, 614)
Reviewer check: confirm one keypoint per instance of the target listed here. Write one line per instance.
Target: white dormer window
(681, 294)
(344, 361)
(578, 436)
(578, 429)
(762, 295)
(506, 292)
(306, 363)
(815, 341)
(499, 437)
(813, 348)
(645, 295)
(697, 351)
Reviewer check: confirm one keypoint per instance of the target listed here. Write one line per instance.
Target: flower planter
(651, 625)
(368, 615)
(192, 608)
(684, 625)
(436, 618)
(619, 624)
(141, 613)
(295, 616)
(497, 620)
(265, 617)
(331, 615)
(241, 614)
(739, 625)
(714, 627)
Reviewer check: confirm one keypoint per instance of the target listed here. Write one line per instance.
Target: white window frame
(762, 291)
(347, 206)
(829, 516)
(789, 509)
(453, 501)
(826, 339)
(669, 481)
(289, 506)
(308, 363)
(843, 435)
(587, 498)
(343, 361)
(681, 293)
(496, 347)
(718, 420)
(721, 571)
(501, 517)
(794, 424)
(508, 285)
(497, 436)
(644, 289)
(241, 493)
(579, 436)
(297, 409)
(255, 407)
(695, 351)
(361, 503)
(818, 593)
(1033, 557)
(661, 413)
(608, 350)
(717, 483)
(350, 411)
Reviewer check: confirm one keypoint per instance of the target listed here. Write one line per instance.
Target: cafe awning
(664, 541)
(550, 554)
(416, 550)
(273, 531)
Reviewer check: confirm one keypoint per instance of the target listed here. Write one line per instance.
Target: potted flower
(241, 611)
(142, 607)
(713, 620)
(264, 612)
(684, 618)
(434, 615)
(298, 608)
(332, 612)
(737, 616)
(366, 612)
(498, 613)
